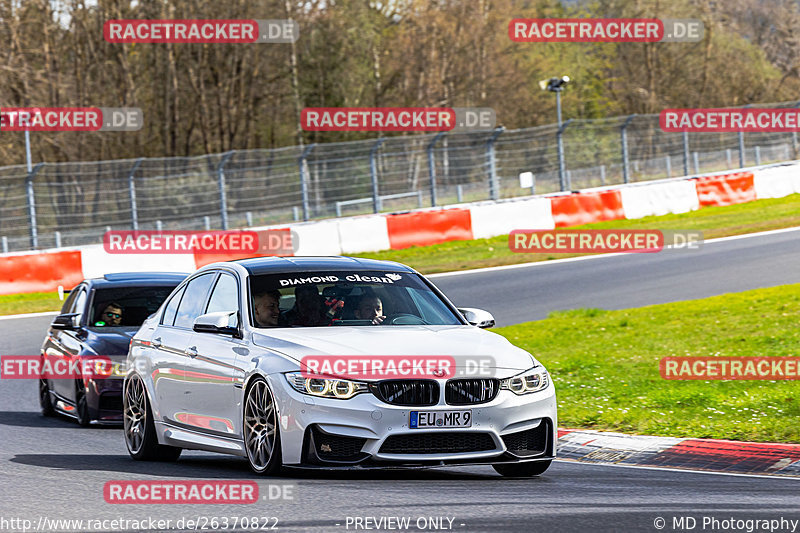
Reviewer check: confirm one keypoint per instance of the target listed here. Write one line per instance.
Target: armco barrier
(656, 199)
(776, 182)
(500, 218)
(585, 208)
(40, 271)
(727, 189)
(44, 271)
(423, 228)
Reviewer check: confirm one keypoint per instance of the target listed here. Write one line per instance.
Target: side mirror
(478, 317)
(65, 321)
(224, 322)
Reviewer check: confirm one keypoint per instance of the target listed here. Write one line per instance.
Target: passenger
(370, 307)
(112, 315)
(308, 308)
(267, 308)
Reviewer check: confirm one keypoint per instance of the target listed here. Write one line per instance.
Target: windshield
(126, 306)
(345, 299)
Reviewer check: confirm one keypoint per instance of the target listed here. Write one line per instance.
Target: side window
(225, 296)
(194, 298)
(172, 308)
(80, 304)
(68, 304)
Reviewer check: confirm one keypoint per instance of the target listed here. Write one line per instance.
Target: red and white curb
(710, 455)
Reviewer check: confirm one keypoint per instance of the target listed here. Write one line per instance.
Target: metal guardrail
(72, 203)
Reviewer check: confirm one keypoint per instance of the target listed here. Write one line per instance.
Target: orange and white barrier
(44, 271)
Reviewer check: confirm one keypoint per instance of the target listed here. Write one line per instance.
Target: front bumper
(366, 431)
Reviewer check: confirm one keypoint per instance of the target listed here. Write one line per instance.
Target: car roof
(269, 265)
(126, 279)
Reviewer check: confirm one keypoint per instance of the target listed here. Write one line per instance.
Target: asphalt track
(54, 469)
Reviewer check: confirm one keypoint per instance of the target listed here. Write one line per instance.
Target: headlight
(341, 389)
(533, 380)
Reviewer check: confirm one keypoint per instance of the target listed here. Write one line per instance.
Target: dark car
(95, 326)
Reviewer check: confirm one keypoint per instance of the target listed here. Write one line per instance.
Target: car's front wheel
(44, 399)
(139, 429)
(522, 469)
(82, 408)
(261, 437)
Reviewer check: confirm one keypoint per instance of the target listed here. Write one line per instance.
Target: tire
(260, 429)
(522, 469)
(139, 429)
(44, 399)
(82, 409)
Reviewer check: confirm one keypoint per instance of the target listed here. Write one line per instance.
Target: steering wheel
(404, 319)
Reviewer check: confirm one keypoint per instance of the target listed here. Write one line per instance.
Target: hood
(457, 341)
(110, 341)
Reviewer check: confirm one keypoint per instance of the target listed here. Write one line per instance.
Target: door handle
(191, 351)
(156, 342)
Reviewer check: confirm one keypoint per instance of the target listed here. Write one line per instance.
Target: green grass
(761, 215)
(605, 366)
(34, 302)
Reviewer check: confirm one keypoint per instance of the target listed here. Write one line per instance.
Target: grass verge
(761, 215)
(605, 366)
(34, 302)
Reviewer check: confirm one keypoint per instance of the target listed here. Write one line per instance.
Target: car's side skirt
(192, 440)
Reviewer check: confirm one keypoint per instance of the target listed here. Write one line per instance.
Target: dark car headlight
(533, 380)
(340, 389)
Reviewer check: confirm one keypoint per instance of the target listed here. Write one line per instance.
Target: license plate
(439, 419)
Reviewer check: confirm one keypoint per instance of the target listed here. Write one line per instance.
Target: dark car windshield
(346, 299)
(126, 306)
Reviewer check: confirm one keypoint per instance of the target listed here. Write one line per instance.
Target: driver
(370, 307)
(112, 314)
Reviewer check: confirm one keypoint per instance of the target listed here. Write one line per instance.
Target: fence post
(58, 239)
(696, 159)
(685, 153)
(5, 244)
(602, 175)
(223, 198)
(432, 166)
(626, 171)
(758, 155)
(494, 189)
(373, 174)
(668, 161)
(459, 194)
(728, 157)
(132, 193)
(159, 225)
(301, 161)
(207, 222)
(741, 145)
(562, 177)
(32, 205)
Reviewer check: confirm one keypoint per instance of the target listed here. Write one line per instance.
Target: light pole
(556, 85)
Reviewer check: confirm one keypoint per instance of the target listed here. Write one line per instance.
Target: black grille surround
(470, 391)
(407, 392)
(531, 442)
(322, 448)
(439, 442)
